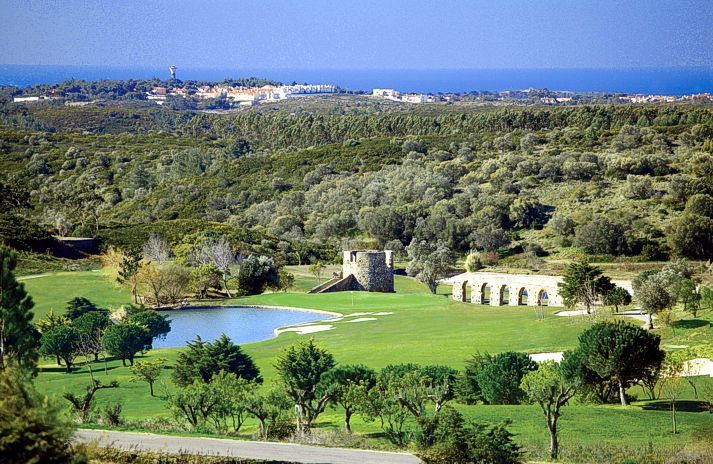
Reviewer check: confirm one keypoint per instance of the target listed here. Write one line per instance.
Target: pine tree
(18, 337)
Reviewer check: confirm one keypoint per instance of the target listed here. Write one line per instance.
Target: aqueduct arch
(501, 289)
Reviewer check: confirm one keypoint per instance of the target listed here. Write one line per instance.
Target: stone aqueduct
(502, 289)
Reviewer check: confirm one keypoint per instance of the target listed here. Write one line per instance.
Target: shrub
(457, 441)
(473, 263)
(204, 360)
(31, 428)
(256, 274)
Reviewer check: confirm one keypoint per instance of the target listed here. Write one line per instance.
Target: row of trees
(157, 275)
(220, 387)
(657, 292)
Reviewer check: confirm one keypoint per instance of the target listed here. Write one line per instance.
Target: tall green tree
(62, 343)
(125, 340)
(616, 297)
(79, 306)
(348, 385)
(18, 337)
(204, 360)
(32, 429)
(583, 284)
(156, 324)
(499, 380)
(90, 327)
(301, 368)
(620, 351)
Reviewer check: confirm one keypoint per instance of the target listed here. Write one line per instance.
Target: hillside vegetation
(609, 181)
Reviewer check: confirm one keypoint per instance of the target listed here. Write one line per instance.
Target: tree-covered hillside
(617, 181)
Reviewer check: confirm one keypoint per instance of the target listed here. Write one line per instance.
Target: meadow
(412, 326)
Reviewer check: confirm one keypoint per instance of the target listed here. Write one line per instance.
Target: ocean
(668, 81)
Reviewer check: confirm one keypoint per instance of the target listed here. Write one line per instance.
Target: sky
(364, 34)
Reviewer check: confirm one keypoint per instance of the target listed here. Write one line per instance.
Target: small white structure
(417, 98)
(29, 99)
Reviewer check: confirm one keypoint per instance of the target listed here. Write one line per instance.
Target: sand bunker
(356, 314)
(577, 312)
(698, 366)
(362, 319)
(555, 356)
(692, 368)
(305, 329)
(382, 314)
(636, 314)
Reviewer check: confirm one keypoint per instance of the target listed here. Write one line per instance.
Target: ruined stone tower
(367, 270)
(373, 270)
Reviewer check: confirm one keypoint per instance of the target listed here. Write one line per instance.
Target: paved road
(246, 449)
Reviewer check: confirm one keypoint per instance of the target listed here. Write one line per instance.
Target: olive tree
(429, 262)
(654, 293)
(548, 387)
(348, 384)
(148, 371)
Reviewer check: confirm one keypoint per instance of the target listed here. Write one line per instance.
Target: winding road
(288, 452)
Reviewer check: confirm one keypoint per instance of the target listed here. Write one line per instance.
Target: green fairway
(420, 328)
(53, 291)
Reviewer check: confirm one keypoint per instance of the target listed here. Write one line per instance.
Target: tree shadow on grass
(77, 369)
(681, 406)
(58, 369)
(691, 323)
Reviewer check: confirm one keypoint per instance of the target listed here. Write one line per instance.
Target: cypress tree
(18, 337)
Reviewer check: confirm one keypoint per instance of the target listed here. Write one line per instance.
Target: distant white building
(417, 98)
(29, 99)
(386, 93)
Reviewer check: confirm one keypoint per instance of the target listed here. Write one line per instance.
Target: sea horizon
(653, 80)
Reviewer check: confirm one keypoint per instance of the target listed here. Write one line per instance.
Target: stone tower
(372, 270)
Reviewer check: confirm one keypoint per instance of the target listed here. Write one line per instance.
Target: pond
(241, 323)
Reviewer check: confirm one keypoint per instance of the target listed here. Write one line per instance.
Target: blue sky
(360, 34)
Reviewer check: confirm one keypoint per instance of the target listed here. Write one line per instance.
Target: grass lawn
(421, 328)
(54, 290)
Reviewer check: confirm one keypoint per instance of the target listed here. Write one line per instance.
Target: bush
(601, 236)
(31, 428)
(473, 263)
(700, 204)
(256, 274)
(118, 456)
(456, 441)
(112, 414)
(467, 388)
(204, 360)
